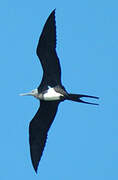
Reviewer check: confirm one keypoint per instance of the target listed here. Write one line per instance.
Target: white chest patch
(51, 95)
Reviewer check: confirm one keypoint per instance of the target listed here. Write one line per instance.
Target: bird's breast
(52, 95)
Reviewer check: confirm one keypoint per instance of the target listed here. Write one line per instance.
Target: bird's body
(52, 95)
(50, 92)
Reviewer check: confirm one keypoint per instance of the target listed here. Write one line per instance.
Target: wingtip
(36, 169)
(53, 12)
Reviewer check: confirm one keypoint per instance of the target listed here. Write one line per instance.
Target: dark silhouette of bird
(50, 91)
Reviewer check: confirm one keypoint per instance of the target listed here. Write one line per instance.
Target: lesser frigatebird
(50, 91)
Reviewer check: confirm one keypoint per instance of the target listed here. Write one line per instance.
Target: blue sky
(83, 140)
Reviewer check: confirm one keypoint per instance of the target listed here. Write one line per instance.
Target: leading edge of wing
(38, 129)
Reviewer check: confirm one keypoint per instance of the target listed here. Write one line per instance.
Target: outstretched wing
(38, 129)
(46, 51)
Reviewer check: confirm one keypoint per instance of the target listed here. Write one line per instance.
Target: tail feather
(77, 98)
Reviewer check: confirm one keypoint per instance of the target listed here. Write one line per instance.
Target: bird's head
(32, 93)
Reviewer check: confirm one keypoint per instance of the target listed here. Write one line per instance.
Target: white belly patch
(51, 95)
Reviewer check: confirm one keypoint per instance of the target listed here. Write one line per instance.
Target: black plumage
(50, 92)
(46, 51)
(39, 127)
(40, 124)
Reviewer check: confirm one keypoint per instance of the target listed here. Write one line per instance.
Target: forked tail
(77, 98)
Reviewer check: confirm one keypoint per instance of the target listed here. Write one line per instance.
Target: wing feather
(46, 51)
(38, 129)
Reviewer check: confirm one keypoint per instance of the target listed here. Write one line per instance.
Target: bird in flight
(50, 91)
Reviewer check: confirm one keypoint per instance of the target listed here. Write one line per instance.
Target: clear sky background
(83, 140)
